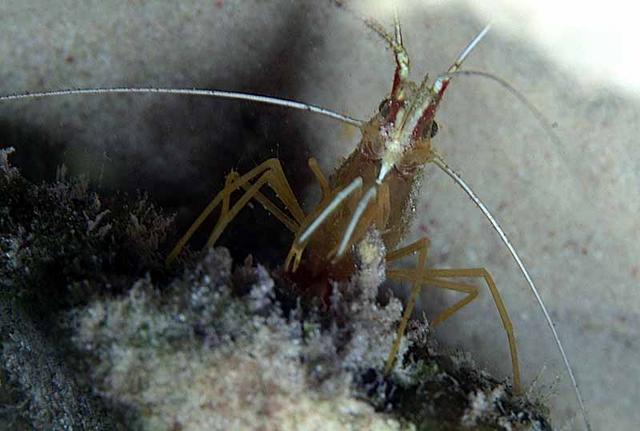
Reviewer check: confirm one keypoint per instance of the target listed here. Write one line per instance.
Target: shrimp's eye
(385, 107)
(430, 132)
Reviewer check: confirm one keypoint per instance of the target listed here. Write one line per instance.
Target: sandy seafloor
(571, 211)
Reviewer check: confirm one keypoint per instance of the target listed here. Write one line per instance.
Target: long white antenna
(540, 117)
(190, 92)
(503, 236)
(440, 80)
(470, 47)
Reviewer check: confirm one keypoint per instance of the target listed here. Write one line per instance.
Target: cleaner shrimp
(372, 189)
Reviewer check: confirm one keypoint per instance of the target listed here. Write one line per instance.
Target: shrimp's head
(399, 134)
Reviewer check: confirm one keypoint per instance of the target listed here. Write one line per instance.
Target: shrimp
(373, 189)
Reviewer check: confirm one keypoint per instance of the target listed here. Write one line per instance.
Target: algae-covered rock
(199, 358)
(98, 334)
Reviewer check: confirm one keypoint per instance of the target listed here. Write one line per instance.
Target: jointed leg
(435, 277)
(470, 290)
(270, 173)
(364, 216)
(384, 206)
(432, 274)
(421, 246)
(295, 253)
(361, 219)
(314, 220)
(322, 180)
(277, 212)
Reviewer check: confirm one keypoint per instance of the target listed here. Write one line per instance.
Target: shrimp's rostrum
(372, 189)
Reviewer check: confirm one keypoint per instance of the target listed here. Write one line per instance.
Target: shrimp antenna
(190, 92)
(439, 161)
(539, 116)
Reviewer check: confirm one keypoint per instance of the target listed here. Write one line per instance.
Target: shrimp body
(372, 189)
(390, 213)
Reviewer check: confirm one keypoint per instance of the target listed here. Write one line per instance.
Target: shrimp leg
(268, 173)
(434, 277)
(421, 246)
